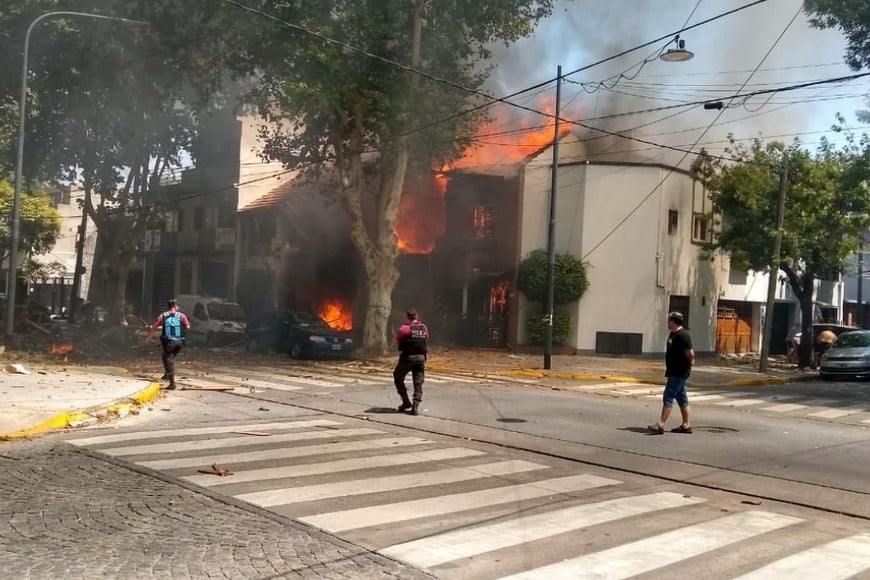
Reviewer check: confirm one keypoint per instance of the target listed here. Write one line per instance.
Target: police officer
(412, 338)
(174, 324)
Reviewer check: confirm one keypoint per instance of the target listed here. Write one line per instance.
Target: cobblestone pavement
(68, 515)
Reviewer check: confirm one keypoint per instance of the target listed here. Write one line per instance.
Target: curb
(120, 408)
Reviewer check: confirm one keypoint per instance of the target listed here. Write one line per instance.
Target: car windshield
(226, 311)
(307, 320)
(853, 340)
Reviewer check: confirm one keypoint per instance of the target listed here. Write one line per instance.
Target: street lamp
(12, 276)
(679, 54)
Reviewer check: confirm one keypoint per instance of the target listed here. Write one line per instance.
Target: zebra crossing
(814, 407)
(302, 379)
(472, 511)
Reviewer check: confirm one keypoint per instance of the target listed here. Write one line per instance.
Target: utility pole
(859, 314)
(551, 234)
(77, 275)
(774, 268)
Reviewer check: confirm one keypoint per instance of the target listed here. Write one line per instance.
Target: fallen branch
(215, 470)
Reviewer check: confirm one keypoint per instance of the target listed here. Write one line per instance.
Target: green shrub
(569, 278)
(537, 328)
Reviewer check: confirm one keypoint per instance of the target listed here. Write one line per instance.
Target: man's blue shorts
(675, 389)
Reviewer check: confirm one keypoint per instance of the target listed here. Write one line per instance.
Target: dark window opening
(680, 304)
(482, 221)
(673, 221)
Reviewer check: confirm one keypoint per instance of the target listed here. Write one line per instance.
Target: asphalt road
(457, 492)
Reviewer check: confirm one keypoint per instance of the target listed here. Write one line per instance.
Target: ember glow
(336, 314)
(62, 348)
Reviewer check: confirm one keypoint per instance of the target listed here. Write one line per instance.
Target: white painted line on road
(272, 384)
(834, 561)
(244, 382)
(784, 408)
(227, 442)
(406, 458)
(291, 374)
(447, 504)
(465, 543)
(290, 495)
(159, 434)
(745, 402)
(226, 458)
(639, 391)
(835, 413)
(707, 398)
(662, 550)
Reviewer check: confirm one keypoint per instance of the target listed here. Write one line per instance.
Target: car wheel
(295, 351)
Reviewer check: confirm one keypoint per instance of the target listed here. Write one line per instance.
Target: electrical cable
(689, 151)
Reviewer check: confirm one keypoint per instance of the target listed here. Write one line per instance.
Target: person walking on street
(679, 358)
(174, 324)
(413, 339)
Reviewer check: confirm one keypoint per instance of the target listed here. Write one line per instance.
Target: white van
(213, 321)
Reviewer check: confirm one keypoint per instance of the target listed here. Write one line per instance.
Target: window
(482, 222)
(673, 221)
(680, 304)
(198, 218)
(702, 228)
(171, 221)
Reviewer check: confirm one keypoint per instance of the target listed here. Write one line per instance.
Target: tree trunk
(808, 339)
(380, 283)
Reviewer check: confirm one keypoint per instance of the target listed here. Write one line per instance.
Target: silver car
(848, 356)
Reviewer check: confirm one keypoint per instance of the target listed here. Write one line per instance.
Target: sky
(726, 52)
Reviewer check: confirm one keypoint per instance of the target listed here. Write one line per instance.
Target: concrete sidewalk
(52, 397)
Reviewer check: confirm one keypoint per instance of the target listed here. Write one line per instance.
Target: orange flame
(62, 348)
(336, 314)
(420, 219)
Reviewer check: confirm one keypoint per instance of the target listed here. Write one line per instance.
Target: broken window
(702, 228)
(482, 221)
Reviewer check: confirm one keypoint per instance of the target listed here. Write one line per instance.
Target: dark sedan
(300, 334)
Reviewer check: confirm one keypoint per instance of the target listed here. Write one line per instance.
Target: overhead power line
(490, 98)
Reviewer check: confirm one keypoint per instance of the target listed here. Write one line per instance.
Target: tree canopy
(380, 98)
(40, 222)
(827, 208)
(852, 18)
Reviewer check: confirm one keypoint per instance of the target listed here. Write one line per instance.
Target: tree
(852, 17)
(40, 222)
(827, 205)
(111, 106)
(570, 283)
(367, 120)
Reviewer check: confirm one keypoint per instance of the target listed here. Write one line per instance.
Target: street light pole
(551, 235)
(774, 268)
(12, 276)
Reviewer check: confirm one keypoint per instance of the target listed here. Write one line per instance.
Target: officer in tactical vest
(174, 324)
(412, 338)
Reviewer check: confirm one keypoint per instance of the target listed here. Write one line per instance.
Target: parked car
(848, 356)
(213, 321)
(298, 333)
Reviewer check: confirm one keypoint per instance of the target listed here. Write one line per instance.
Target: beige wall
(635, 265)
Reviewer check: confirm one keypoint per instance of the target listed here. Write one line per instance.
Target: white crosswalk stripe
(840, 560)
(446, 504)
(435, 550)
(290, 495)
(444, 507)
(337, 466)
(658, 551)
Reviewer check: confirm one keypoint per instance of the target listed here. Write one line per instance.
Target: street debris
(210, 388)
(65, 348)
(751, 502)
(215, 470)
(263, 409)
(15, 369)
(254, 433)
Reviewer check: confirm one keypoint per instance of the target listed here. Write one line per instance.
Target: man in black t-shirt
(679, 358)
